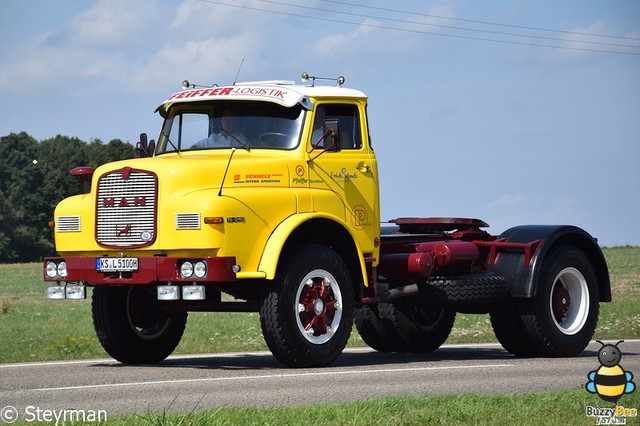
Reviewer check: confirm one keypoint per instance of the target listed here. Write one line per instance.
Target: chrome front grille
(126, 208)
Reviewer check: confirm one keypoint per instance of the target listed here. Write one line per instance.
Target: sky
(513, 112)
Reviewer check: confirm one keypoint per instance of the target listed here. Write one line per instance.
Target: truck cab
(275, 155)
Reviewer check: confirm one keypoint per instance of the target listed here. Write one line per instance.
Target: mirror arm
(326, 134)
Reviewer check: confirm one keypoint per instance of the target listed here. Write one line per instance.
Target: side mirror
(143, 149)
(85, 174)
(331, 134)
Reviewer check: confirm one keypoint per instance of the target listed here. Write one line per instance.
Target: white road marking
(274, 376)
(111, 361)
(54, 363)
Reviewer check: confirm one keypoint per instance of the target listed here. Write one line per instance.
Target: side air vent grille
(188, 221)
(68, 224)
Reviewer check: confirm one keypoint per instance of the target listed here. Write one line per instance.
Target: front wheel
(307, 312)
(131, 326)
(562, 317)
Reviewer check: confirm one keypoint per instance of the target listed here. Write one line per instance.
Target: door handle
(363, 168)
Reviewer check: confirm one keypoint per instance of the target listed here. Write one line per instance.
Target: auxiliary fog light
(200, 269)
(62, 269)
(193, 292)
(75, 291)
(186, 269)
(168, 292)
(51, 269)
(55, 291)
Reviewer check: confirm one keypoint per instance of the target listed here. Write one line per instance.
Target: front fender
(273, 248)
(522, 279)
(279, 237)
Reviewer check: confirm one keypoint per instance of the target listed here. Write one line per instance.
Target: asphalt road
(257, 379)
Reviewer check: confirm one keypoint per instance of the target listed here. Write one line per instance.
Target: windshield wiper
(170, 143)
(236, 139)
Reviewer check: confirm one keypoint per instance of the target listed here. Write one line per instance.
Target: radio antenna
(238, 73)
(224, 176)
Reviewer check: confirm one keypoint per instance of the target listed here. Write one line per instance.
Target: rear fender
(522, 279)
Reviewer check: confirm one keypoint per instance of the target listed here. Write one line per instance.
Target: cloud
(507, 201)
(581, 42)
(389, 36)
(74, 59)
(109, 24)
(201, 61)
(119, 46)
(203, 19)
(523, 208)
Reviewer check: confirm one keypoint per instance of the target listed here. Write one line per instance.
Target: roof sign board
(278, 94)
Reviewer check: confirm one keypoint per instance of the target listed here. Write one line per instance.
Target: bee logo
(610, 381)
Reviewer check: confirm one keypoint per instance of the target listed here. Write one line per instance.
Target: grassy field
(33, 328)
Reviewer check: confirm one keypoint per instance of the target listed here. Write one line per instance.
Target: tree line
(34, 177)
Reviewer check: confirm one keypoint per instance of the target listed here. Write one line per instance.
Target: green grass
(33, 328)
(558, 408)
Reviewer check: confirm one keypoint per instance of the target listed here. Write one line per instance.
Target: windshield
(219, 125)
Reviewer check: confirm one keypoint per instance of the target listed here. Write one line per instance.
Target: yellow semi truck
(268, 192)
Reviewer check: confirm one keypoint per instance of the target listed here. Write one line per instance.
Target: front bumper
(151, 270)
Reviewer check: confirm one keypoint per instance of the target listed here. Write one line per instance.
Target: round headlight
(186, 270)
(62, 269)
(51, 269)
(200, 269)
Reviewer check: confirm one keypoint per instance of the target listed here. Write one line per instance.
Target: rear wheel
(509, 330)
(131, 326)
(307, 313)
(561, 319)
(375, 332)
(421, 328)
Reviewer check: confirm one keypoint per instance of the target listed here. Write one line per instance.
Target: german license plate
(116, 264)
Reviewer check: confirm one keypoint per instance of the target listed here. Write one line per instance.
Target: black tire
(464, 290)
(422, 328)
(131, 327)
(509, 330)
(562, 318)
(374, 332)
(307, 313)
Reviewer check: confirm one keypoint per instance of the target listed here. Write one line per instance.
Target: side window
(349, 117)
(187, 129)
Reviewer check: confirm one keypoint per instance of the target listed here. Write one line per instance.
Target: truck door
(348, 175)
